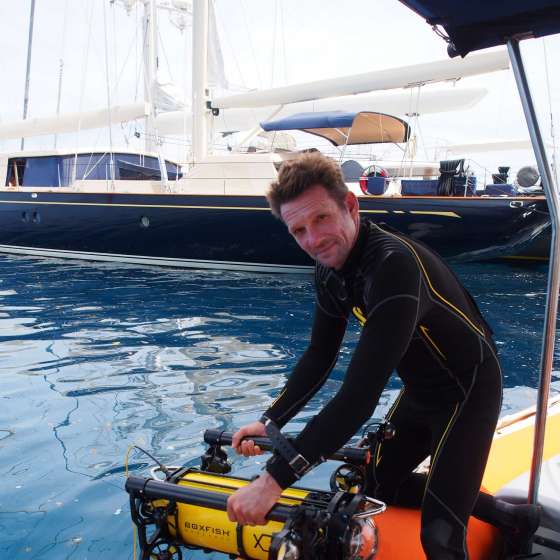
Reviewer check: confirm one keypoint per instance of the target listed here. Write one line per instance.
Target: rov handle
(148, 488)
(352, 455)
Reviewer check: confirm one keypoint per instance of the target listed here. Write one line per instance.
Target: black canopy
(478, 24)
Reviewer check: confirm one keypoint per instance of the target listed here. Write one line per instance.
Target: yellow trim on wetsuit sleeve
(456, 309)
(278, 397)
(425, 331)
(359, 314)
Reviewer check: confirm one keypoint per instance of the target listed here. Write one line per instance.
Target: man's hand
(248, 447)
(250, 504)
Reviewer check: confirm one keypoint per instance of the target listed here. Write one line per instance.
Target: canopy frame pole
(256, 130)
(553, 288)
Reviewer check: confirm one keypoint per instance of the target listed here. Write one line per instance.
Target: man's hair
(298, 175)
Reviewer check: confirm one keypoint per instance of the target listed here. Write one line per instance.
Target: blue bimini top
(345, 128)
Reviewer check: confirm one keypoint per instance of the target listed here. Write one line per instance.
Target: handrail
(553, 201)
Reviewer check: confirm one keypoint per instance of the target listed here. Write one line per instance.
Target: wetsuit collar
(356, 251)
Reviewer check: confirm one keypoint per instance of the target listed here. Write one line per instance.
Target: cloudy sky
(265, 43)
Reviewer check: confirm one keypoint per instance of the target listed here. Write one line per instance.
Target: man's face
(323, 229)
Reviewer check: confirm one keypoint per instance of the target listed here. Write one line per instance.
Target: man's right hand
(247, 447)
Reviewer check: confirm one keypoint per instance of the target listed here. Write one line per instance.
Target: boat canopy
(345, 128)
(481, 24)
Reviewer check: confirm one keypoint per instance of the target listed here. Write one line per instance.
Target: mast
(200, 80)
(152, 143)
(28, 70)
(553, 200)
(60, 71)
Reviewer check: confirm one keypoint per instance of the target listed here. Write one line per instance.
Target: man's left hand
(250, 504)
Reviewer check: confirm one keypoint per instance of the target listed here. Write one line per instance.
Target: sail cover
(479, 24)
(345, 128)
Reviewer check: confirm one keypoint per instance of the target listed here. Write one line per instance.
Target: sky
(265, 43)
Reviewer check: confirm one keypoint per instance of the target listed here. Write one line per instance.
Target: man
(417, 319)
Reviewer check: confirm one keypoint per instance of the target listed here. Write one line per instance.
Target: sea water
(97, 357)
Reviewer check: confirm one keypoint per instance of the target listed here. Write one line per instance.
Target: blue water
(97, 357)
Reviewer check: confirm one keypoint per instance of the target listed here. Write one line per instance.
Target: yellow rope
(130, 448)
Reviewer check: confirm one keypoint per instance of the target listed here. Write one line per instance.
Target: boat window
(136, 167)
(129, 167)
(16, 171)
(41, 171)
(94, 167)
(132, 167)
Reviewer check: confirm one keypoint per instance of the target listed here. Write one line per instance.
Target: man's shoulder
(385, 247)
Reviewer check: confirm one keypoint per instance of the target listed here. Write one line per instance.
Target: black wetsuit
(418, 319)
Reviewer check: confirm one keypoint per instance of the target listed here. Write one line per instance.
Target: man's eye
(297, 231)
(322, 216)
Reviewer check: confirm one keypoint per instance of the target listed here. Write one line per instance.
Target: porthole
(36, 218)
(25, 217)
(145, 221)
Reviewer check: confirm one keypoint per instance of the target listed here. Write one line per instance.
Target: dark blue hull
(238, 232)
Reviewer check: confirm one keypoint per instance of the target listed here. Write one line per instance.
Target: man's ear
(352, 204)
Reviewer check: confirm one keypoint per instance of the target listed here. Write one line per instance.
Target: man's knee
(443, 541)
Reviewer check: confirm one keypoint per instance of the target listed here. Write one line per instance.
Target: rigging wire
(223, 33)
(115, 64)
(421, 135)
(162, 45)
(137, 62)
(413, 110)
(283, 36)
(61, 66)
(88, 24)
(251, 45)
(108, 89)
(186, 105)
(136, 65)
(274, 34)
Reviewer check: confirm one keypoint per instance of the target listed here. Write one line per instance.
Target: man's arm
(249, 505)
(313, 367)
(391, 320)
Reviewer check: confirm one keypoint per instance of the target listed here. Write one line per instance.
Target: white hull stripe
(158, 261)
(119, 205)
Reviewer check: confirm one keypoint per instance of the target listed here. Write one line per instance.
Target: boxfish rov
(186, 508)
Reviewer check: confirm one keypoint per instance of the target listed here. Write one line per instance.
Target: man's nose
(314, 238)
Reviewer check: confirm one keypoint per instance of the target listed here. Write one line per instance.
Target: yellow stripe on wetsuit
(441, 441)
(424, 330)
(359, 314)
(425, 272)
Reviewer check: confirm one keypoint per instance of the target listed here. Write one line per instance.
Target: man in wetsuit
(416, 318)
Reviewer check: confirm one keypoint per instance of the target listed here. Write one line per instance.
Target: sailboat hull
(239, 232)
